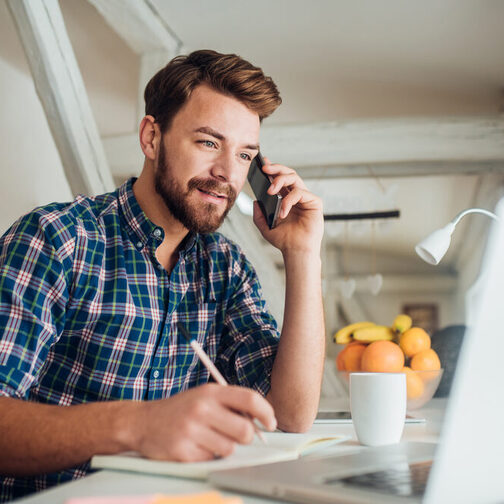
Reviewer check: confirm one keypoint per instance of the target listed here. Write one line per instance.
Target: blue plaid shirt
(87, 313)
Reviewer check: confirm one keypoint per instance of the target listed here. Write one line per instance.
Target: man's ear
(150, 136)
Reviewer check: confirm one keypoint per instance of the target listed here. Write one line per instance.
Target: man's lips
(214, 194)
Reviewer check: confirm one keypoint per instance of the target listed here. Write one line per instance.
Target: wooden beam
(399, 169)
(62, 93)
(139, 25)
(386, 141)
(385, 148)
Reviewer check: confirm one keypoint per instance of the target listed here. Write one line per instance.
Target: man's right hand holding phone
(301, 221)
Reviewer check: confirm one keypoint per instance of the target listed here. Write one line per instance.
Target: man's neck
(155, 209)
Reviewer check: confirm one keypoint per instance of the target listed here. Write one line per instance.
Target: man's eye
(207, 143)
(245, 156)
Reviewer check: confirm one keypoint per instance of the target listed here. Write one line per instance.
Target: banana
(375, 333)
(401, 323)
(344, 335)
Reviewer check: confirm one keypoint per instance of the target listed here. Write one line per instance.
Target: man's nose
(223, 166)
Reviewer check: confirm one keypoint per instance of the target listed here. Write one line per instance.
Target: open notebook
(281, 446)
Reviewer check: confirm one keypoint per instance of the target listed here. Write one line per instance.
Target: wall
(30, 170)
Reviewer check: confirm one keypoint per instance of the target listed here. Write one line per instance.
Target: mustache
(211, 185)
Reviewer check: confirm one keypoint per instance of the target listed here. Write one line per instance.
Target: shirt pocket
(201, 325)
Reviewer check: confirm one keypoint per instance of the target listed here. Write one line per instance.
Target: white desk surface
(109, 483)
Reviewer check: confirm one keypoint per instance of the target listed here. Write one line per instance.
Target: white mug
(378, 406)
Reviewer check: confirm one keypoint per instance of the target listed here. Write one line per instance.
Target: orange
(339, 361)
(340, 358)
(382, 357)
(426, 360)
(414, 384)
(414, 340)
(352, 358)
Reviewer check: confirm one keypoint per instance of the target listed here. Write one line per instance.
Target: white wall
(31, 171)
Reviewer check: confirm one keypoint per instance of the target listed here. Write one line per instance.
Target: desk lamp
(434, 247)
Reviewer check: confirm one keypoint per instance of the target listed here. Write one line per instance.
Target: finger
(304, 199)
(274, 168)
(247, 401)
(289, 180)
(195, 453)
(190, 450)
(215, 442)
(295, 197)
(234, 426)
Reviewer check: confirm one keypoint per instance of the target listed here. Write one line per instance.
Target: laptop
(465, 466)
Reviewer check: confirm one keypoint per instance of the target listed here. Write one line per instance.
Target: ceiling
(332, 61)
(336, 59)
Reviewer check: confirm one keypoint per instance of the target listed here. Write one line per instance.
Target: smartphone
(260, 182)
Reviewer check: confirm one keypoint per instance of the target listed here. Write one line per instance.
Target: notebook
(280, 446)
(464, 467)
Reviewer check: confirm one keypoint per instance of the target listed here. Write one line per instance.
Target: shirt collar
(140, 228)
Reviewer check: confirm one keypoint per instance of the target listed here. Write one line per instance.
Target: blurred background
(391, 105)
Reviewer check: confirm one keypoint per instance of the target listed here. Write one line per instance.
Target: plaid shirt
(87, 313)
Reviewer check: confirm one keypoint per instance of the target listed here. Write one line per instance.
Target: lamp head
(434, 247)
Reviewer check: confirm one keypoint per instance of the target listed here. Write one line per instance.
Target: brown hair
(171, 87)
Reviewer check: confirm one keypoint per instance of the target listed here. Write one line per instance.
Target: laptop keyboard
(406, 480)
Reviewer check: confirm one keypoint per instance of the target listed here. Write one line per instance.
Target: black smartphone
(260, 182)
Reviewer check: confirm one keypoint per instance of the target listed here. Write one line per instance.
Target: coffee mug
(378, 406)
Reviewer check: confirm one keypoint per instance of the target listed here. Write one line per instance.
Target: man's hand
(301, 221)
(201, 423)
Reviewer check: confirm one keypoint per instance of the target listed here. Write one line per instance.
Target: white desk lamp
(434, 247)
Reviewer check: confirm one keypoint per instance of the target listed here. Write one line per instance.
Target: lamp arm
(459, 216)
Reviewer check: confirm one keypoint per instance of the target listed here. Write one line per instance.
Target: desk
(106, 483)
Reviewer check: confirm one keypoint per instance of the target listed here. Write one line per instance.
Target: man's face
(204, 158)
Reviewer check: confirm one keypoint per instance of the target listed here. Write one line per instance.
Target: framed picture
(425, 316)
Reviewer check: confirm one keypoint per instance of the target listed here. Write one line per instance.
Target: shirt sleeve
(33, 296)
(250, 337)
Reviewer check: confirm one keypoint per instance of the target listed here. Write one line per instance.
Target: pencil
(216, 375)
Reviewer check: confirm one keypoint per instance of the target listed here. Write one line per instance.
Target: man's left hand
(300, 226)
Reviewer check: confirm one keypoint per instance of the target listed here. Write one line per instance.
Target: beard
(200, 218)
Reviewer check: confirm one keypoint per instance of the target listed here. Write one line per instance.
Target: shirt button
(156, 374)
(157, 233)
(139, 245)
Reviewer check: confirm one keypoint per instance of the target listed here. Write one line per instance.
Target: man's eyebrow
(210, 131)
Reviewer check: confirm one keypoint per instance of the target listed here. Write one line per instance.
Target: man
(92, 293)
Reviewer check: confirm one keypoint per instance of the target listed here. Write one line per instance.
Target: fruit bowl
(421, 385)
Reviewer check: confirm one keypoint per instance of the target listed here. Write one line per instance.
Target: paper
(200, 498)
(281, 446)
